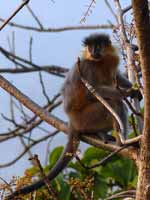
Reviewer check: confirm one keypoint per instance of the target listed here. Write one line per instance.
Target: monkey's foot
(106, 138)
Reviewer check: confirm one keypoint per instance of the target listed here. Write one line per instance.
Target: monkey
(99, 66)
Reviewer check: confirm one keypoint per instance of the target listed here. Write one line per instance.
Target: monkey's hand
(134, 93)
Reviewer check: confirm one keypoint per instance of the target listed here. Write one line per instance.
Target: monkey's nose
(96, 55)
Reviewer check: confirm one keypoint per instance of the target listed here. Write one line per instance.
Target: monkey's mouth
(97, 58)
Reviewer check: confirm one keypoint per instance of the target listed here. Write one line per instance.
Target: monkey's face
(96, 46)
(96, 51)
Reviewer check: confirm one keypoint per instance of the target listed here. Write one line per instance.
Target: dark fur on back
(97, 38)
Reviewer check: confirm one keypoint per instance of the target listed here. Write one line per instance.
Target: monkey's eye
(98, 48)
(90, 48)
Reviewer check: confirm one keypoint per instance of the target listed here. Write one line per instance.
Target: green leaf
(32, 171)
(61, 186)
(122, 171)
(65, 191)
(55, 155)
(93, 153)
(100, 187)
(133, 184)
(91, 156)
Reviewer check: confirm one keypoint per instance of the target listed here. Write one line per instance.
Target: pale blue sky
(48, 48)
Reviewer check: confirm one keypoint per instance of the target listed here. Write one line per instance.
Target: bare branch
(14, 58)
(61, 29)
(51, 191)
(126, 9)
(130, 56)
(52, 69)
(35, 108)
(34, 16)
(43, 87)
(27, 149)
(111, 9)
(88, 11)
(22, 129)
(25, 2)
(124, 194)
(130, 152)
(30, 48)
(104, 160)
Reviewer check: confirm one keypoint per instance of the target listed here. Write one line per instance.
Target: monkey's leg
(123, 82)
(105, 136)
(92, 119)
(110, 93)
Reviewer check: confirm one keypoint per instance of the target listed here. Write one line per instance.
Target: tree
(137, 70)
(142, 22)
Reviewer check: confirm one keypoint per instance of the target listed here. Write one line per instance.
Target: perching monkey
(99, 66)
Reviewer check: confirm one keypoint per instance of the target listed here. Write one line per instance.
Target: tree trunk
(142, 23)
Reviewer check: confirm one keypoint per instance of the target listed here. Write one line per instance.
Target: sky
(48, 48)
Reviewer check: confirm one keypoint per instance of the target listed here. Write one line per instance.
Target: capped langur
(99, 66)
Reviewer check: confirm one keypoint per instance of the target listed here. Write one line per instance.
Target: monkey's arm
(122, 81)
(115, 94)
(112, 93)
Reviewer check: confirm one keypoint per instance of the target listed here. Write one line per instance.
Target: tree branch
(25, 2)
(61, 29)
(35, 108)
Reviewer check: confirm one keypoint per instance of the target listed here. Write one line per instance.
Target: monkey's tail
(67, 155)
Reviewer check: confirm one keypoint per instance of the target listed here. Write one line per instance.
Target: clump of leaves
(77, 182)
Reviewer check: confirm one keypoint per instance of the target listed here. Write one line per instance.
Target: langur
(99, 66)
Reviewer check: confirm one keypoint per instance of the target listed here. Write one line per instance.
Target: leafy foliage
(77, 182)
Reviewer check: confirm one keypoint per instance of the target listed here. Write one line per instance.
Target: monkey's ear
(85, 42)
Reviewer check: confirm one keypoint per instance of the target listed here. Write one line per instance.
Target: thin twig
(52, 192)
(12, 108)
(111, 9)
(25, 2)
(8, 185)
(14, 59)
(23, 129)
(54, 70)
(129, 193)
(104, 160)
(43, 88)
(88, 11)
(30, 104)
(27, 149)
(126, 9)
(35, 17)
(30, 49)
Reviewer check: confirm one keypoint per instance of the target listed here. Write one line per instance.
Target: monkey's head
(97, 46)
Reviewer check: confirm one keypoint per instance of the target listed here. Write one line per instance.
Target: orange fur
(108, 51)
(106, 66)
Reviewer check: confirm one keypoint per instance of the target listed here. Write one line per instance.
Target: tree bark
(142, 24)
